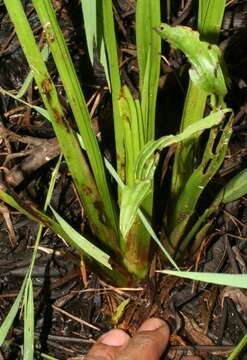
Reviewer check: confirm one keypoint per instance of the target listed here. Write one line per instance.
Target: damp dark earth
(75, 301)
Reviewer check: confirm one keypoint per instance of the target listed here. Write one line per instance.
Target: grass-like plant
(121, 228)
(127, 233)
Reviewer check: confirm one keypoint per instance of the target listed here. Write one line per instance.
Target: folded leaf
(148, 157)
(132, 199)
(206, 59)
(146, 164)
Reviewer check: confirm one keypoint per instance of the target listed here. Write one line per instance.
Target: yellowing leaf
(119, 311)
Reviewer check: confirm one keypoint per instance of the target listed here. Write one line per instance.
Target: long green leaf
(112, 57)
(94, 32)
(133, 131)
(155, 238)
(9, 319)
(77, 102)
(34, 214)
(76, 161)
(82, 242)
(148, 54)
(28, 349)
(237, 281)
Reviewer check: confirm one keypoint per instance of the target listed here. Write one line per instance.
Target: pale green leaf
(48, 357)
(112, 57)
(26, 283)
(132, 199)
(28, 348)
(94, 32)
(42, 112)
(236, 187)
(118, 313)
(148, 45)
(133, 131)
(206, 59)
(233, 280)
(45, 54)
(39, 109)
(82, 243)
(9, 319)
(90, 25)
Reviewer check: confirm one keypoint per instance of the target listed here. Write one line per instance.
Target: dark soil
(73, 306)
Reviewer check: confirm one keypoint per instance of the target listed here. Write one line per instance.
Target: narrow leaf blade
(82, 243)
(28, 350)
(233, 280)
(8, 321)
(236, 187)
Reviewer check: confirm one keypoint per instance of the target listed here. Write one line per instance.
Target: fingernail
(115, 337)
(152, 324)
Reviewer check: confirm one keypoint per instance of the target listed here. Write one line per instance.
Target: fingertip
(114, 337)
(154, 324)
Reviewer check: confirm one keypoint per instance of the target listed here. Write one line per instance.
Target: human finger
(148, 343)
(108, 346)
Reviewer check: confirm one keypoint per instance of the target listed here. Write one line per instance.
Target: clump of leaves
(122, 225)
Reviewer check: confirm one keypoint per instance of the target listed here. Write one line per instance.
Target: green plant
(134, 122)
(123, 226)
(137, 152)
